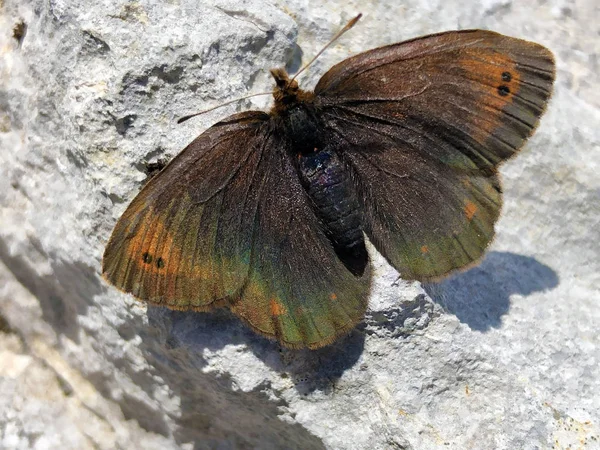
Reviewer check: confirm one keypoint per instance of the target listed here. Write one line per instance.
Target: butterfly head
(286, 91)
(284, 87)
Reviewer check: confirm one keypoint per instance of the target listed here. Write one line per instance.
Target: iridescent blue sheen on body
(329, 187)
(328, 183)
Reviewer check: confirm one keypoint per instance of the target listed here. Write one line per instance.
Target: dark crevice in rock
(152, 80)
(76, 158)
(93, 44)
(115, 199)
(154, 162)
(19, 32)
(4, 325)
(123, 124)
(166, 74)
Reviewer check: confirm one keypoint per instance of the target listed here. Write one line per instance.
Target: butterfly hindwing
(228, 223)
(424, 124)
(425, 217)
(298, 291)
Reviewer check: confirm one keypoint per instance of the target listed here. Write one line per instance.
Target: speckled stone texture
(503, 356)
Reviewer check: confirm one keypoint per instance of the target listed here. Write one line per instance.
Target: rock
(505, 355)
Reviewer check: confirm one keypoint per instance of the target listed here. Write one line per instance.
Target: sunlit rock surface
(503, 356)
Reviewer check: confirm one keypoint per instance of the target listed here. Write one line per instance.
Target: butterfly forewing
(185, 240)
(424, 124)
(467, 98)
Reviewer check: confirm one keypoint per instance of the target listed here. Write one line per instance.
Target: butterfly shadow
(209, 333)
(480, 296)
(181, 350)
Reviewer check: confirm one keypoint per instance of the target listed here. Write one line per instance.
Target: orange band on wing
(499, 79)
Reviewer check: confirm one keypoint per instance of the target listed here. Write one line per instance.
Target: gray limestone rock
(504, 356)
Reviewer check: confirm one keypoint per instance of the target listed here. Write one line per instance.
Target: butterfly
(266, 213)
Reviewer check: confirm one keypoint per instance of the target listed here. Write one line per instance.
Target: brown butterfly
(265, 213)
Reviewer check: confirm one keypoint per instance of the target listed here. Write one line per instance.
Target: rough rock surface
(504, 356)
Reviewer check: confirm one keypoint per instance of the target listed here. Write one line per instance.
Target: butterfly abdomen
(335, 203)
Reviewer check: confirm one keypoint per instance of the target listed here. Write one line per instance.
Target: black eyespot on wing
(160, 263)
(147, 258)
(506, 76)
(503, 90)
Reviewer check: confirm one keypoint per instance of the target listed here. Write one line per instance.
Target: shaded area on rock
(174, 345)
(480, 296)
(309, 369)
(64, 294)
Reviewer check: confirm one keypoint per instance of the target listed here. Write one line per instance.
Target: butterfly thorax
(295, 114)
(322, 172)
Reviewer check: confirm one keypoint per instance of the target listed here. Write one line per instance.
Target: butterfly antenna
(333, 39)
(184, 118)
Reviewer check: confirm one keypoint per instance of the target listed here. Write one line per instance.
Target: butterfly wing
(425, 217)
(227, 223)
(424, 124)
(185, 240)
(298, 290)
